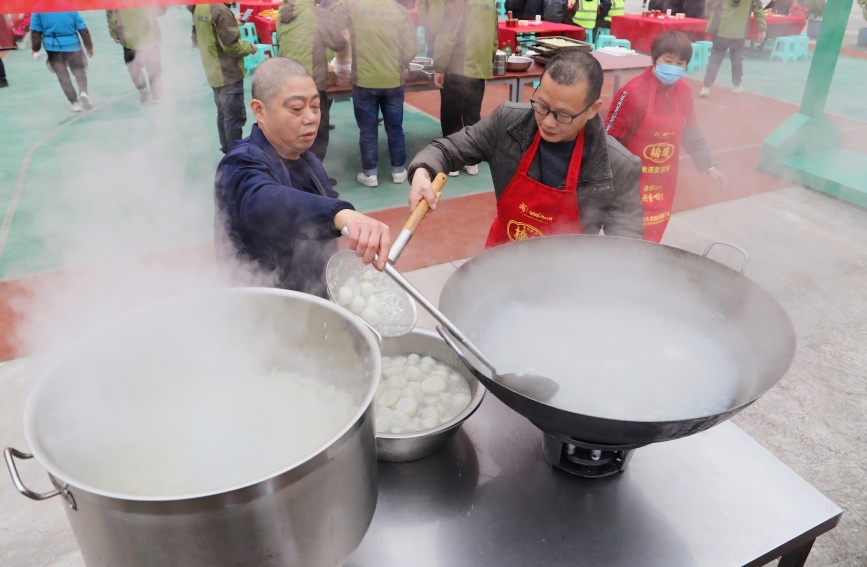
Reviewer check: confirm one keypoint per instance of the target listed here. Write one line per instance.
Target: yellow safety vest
(585, 15)
(618, 8)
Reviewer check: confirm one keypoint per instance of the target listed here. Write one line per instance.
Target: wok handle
(8, 454)
(730, 245)
(415, 219)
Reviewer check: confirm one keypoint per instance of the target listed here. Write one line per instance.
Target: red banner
(25, 6)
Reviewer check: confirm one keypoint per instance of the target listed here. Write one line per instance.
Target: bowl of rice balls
(424, 395)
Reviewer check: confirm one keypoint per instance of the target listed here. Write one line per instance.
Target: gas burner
(581, 458)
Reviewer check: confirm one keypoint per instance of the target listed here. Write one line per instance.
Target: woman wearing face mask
(653, 116)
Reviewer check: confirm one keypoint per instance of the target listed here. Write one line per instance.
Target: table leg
(797, 557)
(616, 82)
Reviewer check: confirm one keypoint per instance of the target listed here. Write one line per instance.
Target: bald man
(275, 206)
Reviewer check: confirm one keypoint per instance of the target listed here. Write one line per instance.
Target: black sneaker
(4, 83)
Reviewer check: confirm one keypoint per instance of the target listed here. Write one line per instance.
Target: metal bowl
(401, 447)
(516, 63)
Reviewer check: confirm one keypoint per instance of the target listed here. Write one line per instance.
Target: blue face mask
(668, 74)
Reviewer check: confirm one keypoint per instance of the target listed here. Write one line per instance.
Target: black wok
(699, 291)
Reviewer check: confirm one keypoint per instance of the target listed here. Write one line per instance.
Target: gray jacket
(608, 190)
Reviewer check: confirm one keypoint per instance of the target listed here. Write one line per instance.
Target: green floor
(126, 179)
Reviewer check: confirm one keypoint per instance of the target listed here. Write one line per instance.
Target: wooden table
(613, 65)
(509, 35)
(642, 31)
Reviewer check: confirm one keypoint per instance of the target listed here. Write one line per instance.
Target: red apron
(657, 143)
(529, 208)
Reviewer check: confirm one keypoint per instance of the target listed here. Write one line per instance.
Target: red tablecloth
(642, 31)
(778, 26)
(257, 6)
(264, 28)
(507, 35)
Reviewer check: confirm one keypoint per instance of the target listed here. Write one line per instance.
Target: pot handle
(730, 245)
(8, 454)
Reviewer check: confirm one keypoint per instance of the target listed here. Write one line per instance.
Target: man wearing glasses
(555, 170)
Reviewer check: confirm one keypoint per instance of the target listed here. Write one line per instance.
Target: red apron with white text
(529, 208)
(657, 143)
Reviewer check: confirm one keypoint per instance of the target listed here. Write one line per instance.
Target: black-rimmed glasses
(560, 116)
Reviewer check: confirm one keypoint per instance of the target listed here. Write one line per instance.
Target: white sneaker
(737, 90)
(85, 101)
(472, 169)
(704, 92)
(75, 107)
(454, 173)
(369, 180)
(398, 177)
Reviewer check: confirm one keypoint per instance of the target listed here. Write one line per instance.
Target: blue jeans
(367, 103)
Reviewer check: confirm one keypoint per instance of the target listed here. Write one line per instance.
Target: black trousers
(320, 144)
(231, 114)
(145, 59)
(61, 63)
(735, 47)
(460, 102)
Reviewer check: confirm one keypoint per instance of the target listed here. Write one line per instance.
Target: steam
(129, 219)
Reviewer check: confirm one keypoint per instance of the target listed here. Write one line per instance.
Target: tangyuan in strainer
(370, 294)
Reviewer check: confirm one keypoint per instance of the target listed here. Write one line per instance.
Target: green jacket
(384, 41)
(135, 28)
(585, 14)
(220, 45)
(732, 21)
(467, 39)
(618, 8)
(304, 33)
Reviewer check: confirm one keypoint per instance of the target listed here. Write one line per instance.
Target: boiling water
(194, 434)
(619, 361)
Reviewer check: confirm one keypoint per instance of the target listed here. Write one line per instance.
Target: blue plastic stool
(248, 33)
(784, 49)
(802, 47)
(624, 43)
(588, 37)
(700, 56)
(603, 39)
(255, 59)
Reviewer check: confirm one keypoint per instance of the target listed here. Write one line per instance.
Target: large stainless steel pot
(563, 270)
(311, 511)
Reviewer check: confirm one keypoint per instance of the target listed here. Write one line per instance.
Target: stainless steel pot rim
(32, 438)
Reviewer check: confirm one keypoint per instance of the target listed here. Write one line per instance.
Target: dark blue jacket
(276, 213)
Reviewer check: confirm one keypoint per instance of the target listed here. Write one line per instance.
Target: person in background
(614, 8)
(138, 32)
(729, 22)
(430, 16)
(304, 33)
(384, 43)
(463, 59)
(222, 51)
(555, 171)
(584, 13)
(59, 33)
(6, 44)
(274, 206)
(20, 27)
(653, 116)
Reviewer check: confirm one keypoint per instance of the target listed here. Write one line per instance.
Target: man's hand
(438, 79)
(762, 36)
(367, 236)
(421, 188)
(255, 49)
(717, 176)
(90, 53)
